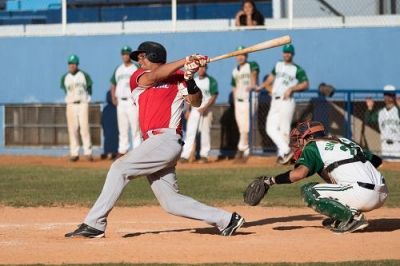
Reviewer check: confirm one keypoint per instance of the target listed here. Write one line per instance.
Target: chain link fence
(344, 114)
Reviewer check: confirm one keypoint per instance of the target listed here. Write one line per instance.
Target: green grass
(55, 186)
(346, 263)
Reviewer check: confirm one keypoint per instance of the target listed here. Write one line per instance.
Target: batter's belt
(159, 131)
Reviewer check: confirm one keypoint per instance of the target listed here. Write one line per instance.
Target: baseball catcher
(353, 183)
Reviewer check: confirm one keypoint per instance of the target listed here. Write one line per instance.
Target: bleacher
(48, 11)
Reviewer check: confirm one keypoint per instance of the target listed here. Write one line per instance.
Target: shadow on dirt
(203, 230)
(285, 219)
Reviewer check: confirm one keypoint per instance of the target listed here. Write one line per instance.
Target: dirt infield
(256, 161)
(147, 234)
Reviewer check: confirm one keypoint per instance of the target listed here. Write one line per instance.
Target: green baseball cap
(73, 59)
(126, 50)
(288, 48)
(240, 47)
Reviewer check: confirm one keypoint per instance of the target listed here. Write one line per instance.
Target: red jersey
(161, 105)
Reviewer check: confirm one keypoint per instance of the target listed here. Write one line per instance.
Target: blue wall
(347, 58)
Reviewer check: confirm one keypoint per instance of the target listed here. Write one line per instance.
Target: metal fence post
(250, 134)
(349, 113)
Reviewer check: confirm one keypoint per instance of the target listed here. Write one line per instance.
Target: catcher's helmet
(302, 133)
(155, 52)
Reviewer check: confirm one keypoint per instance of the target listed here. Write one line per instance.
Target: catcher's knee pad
(309, 194)
(329, 207)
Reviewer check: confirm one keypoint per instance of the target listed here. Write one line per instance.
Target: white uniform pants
(279, 118)
(392, 150)
(78, 122)
(162, 151)
(197, 123)
(242, 113)
(127, 120)
(354, 196)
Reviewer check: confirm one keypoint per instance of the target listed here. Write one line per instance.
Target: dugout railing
(343, 115)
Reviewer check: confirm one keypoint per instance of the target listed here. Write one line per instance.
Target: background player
(354, 185)
(121, 92)
(388, 119)
(159, 91)
(77, 85)
(285, 79)
(200, 118)
(244, 78)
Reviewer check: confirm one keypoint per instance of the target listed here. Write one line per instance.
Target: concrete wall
(360, 58)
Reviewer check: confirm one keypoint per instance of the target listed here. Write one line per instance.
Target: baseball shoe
(236, 222)
(73, 158)
(203, 160)
(85, 230)
(89, 158)
(286, 158)
(183, 160)
(358, 222)
(330, 223)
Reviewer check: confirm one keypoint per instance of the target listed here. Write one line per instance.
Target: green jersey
(318, 154)
(241, 79)
(286, 76)
(77, 87)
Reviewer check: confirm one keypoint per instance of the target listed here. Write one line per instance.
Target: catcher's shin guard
(325, 206)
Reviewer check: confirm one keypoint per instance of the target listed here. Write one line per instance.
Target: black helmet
(155, 52)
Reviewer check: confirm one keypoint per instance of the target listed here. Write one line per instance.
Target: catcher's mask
(302, 133)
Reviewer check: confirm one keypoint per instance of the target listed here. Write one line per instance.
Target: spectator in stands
(109, 123)
(77, 85)
(388, 120)
(249, 15)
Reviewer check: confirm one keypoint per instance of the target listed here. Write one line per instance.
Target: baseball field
(42, 198)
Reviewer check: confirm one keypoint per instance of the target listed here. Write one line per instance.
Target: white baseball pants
(279, 118)
(161, 154)
(78, 123)
(197, 123)
(127, 120)
(242, 113)
(356, 197)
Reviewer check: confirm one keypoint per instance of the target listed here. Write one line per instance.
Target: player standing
(77, 86)
(159, 91)
(244, 79)
(200, 118)
(388, 119)
(285, 79)
(121, 94)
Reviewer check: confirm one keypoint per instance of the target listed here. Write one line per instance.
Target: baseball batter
(77, 86)
(200, 118)
(388, 119)
(159, 91)
(244, 79)
(354, 185)
(121, 91)
(285, 79)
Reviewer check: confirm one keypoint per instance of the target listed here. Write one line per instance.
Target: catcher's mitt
(256, 190)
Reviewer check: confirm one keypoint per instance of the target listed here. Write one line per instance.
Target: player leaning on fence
(77, 85)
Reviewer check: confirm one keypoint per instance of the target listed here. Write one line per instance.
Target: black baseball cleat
(236, 222)
(85, 230)
(358, 222)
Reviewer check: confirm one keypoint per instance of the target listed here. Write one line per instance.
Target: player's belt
(77, 102)
(123, 99)
(379, 188)
(240, 100)
(277, 97)
(154, 132)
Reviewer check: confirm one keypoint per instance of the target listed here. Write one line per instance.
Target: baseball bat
(254, 48)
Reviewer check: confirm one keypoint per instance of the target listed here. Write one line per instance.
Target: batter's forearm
(161, 73)
(195, 99)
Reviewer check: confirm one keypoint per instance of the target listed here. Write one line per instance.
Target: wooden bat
(257, 47)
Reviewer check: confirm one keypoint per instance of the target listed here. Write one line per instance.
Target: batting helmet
(155, 52)
(302, 133)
